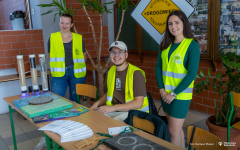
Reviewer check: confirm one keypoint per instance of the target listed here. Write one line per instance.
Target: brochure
(69, 130)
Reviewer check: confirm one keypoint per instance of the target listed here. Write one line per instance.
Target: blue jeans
(59, 84)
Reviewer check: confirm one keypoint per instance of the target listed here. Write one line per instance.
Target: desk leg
(12, 126)
(56, 146)
(48, 142)
(94, 78)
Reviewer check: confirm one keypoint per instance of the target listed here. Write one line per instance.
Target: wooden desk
(96, 121)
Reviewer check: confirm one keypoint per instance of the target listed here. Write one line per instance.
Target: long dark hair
(168, 37)
(69, 16)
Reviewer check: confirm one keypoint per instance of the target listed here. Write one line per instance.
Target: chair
(153, 110)
(196, 137)
(86, 90)
(149, 123)
(235, 101)
(143, 124)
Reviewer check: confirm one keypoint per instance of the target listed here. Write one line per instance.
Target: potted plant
(222, 88)
(26, 66)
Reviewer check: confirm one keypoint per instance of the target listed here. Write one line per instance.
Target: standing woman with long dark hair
(67, 59)
(175, 71)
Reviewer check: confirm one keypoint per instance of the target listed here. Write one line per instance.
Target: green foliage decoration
(60, 6)
(222, 84)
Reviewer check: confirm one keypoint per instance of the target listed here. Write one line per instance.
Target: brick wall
(13, 42)
(8, 6)
(202, 102)
(82, 25)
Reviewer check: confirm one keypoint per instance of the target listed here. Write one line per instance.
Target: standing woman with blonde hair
(175, 71)
(67, 59)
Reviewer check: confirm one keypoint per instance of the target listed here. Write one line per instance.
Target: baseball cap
(118, 44)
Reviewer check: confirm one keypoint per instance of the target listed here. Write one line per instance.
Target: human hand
(168, 98)
(163, 93)
(106, 109)
(94, 106)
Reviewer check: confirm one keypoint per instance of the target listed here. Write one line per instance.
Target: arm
(100, 102)
(85, 56)
(158, 74)
(48, 48)
(84, 51)
(135, 104)
(192, 67)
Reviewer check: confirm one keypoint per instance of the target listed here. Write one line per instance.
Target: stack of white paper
(69, 130)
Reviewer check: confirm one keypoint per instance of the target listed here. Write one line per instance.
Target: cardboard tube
(43, 69)
(34, 72)
(21, 71)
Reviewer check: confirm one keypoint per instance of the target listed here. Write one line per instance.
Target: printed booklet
(60, 115)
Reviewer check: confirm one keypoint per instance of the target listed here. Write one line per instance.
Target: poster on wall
(229, 26)
(199, 23)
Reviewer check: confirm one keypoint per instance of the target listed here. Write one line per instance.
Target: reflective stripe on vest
(57, 55)
(173, 70)
(57, 69)
(174, 75)
(56, 59)
(78, 60)
(187, 90)
(129, 95)
(80, 70)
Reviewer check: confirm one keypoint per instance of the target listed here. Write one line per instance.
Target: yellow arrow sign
(157, 12)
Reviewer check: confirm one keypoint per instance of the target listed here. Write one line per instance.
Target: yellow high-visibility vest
(128, 86)
(173, 71)
(57, 55)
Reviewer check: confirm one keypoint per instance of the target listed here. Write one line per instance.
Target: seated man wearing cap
(125, 86)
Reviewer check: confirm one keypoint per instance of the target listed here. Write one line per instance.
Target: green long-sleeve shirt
(191, 63)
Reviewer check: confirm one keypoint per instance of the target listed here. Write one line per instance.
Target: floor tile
(2, 144)
(22, 123)
(26, 145)
(4, 116)
(200, 113)
(34, 134)
(8, 127)
(4, 121)
(8, 133)
(19, 138)
(187, 122)
(5, 148)
(195, 117)
(29, 128)
(36, 140)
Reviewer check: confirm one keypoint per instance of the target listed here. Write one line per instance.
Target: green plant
(90, 6)
(223, 84)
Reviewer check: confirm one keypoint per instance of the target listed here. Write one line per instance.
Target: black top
(68, 52)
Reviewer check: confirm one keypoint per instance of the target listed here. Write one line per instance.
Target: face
(65, 24)
(118, 56)
(175, 26)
